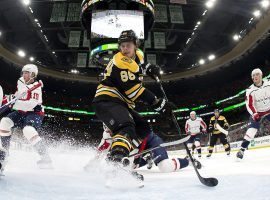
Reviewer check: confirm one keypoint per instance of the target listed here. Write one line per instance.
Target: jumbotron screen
(110, 23)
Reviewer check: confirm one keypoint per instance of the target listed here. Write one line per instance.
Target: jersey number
(35, 96)
(127, 75)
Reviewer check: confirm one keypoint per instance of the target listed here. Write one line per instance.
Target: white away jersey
(258, 98)
(29, 101)
(193, 126)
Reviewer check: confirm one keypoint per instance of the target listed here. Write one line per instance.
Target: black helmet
(128, 36)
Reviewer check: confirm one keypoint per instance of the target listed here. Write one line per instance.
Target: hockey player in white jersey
(193, 127)
(158, 156)
(258, 105)
(27, 114)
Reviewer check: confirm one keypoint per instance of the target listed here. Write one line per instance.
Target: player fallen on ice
(193, 127)
(258, 106)
(118, 92)
(217, 134)
(157, 156)
(27, 113)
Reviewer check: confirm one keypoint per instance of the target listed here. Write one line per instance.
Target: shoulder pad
(123, 62)
(221, 117)
(213, 118)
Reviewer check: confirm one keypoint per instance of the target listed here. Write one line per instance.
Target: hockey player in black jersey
(118, 92)
(216, 134)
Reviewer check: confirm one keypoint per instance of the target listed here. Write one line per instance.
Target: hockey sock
(244, 145)
(41, 148)
(5, 141)
(199, 150)
(183, 162)
(227, 147)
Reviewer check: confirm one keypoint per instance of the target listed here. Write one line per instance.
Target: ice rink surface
(248, 179)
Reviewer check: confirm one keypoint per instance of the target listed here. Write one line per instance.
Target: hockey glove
(164, 107)
(204, 131)
(152, 70)
(256, 117)
(7, 98)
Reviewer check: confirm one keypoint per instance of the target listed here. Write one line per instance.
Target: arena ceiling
(211, 28)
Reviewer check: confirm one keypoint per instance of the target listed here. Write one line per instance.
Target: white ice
(248, 179)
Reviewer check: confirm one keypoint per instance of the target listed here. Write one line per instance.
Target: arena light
(26, 2)
(201, 61)
(265, 3)
(257, 13)
(198, 23)
(210, 3)
(31, 10)
(161, 72)
(236, 37)
(36, 20)
(0, 33)
(204, 12)
(31, 58)
(211, 57)
(74, 71)
(21, 53)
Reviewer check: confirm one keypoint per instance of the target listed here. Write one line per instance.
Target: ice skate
(45, 162)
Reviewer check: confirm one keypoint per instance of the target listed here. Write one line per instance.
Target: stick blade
(210, 182)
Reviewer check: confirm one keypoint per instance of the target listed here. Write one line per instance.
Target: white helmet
(192, 113)
(32, 69)
(256, 71)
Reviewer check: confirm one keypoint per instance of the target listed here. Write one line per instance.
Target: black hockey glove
(152, 70)
(164, 107)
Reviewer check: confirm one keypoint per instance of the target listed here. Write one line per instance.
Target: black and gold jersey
(122, 81)
(221, 120)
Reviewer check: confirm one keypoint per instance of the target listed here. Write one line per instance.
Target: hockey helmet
(216, 110)
(32, 69)
(192, 113)
(256, 71)
(128, 36)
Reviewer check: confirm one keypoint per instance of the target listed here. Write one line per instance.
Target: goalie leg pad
(31, 135)
(5, 126)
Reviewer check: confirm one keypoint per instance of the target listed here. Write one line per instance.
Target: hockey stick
(227, 132)
(211, 182)
(4, 107)
(183, 140)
